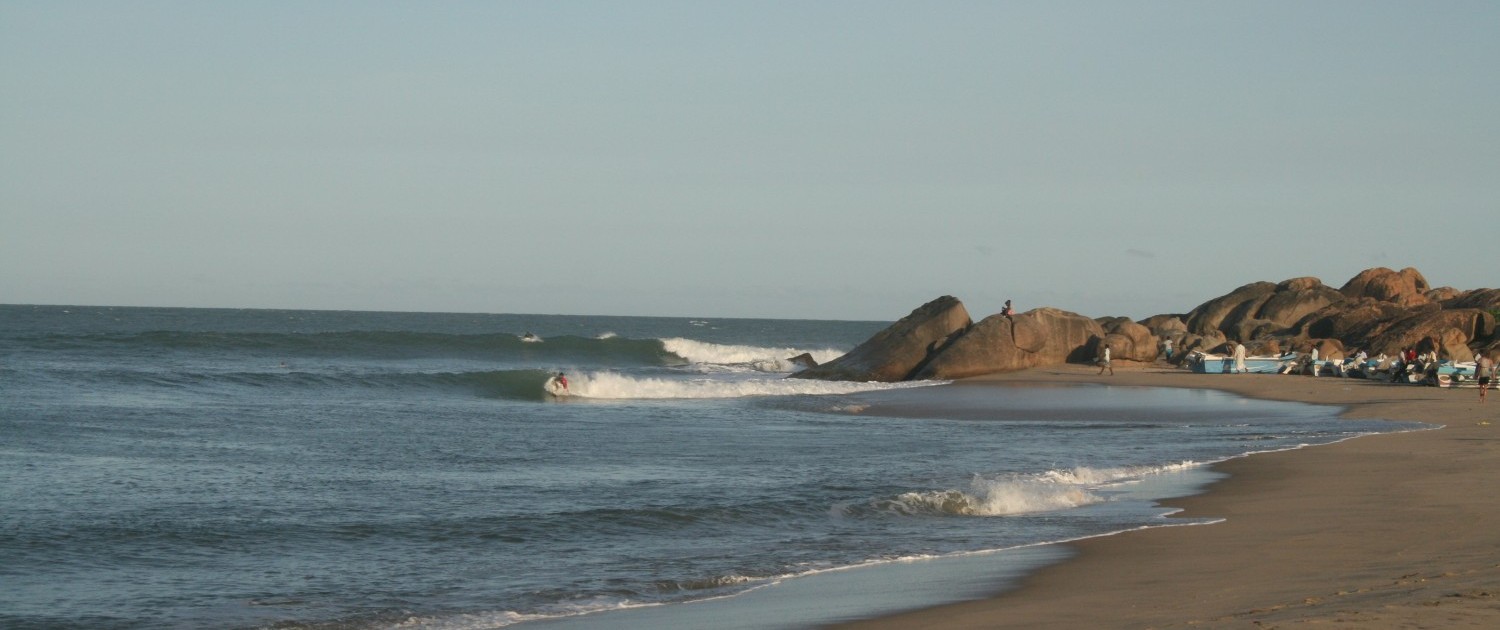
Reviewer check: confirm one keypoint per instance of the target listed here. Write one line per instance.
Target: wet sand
(1385, 531)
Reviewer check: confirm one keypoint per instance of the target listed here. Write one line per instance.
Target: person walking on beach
(1166, 347)
(1104, 361)
(1484, 368)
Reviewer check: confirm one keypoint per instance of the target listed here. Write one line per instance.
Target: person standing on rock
(1104, 361)
(1008, 312)
(1484, 368)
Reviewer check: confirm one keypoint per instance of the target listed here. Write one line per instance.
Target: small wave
(989, 499)
(612, 385)
(753, 358)
(1013, 494)
(707, 584)
(495, 620)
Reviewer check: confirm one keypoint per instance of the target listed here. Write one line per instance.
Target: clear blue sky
(843, 160)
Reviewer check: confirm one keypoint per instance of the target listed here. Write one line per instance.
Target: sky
(822, 160)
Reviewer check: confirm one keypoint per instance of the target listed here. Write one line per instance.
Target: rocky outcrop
(1449, 332)
(1045, 336)
(1353, 320)
(1379, 311)
(1165, 325)
(1191, 342)
(1261, 308)
(805, 360)
(1129, 341)
(1297, 298)
(1406, 287)
(1209, 317)
(895, 353)
(1483, 299)
(1328, 349)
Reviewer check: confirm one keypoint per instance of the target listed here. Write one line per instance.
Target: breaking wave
(606, 349)
(1011, 494)
(750, 358)
(613, 385)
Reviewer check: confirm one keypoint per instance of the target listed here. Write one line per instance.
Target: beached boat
(1207, 363)
(1444, 374)
(1458, 374)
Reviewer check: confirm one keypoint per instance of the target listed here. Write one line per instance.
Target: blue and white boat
(1208, 363)
(1450, 374)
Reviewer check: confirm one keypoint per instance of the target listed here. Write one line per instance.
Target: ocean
(212, 468)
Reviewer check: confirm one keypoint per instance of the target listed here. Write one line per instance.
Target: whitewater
(187, 468)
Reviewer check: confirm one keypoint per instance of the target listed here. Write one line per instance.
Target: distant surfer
(562, 381)
(530, 338)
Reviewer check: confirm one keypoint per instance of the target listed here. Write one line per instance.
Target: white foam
(500, 619)
(754, 358)
(613, 385)
(1013, 494)
(991, 498)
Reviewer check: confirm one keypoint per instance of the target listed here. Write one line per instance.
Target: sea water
(190, 468)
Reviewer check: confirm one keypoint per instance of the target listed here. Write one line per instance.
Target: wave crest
(1013, 494)
(752, 358)
(612, 385)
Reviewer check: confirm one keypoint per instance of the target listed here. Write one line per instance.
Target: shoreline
(1384, 531)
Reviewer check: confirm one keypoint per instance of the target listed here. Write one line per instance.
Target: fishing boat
(1208, 363)
(1450, 374)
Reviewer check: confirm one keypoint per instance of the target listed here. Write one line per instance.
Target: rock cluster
(1379, 311)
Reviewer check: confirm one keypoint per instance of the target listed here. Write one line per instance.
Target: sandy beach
(1386, 531)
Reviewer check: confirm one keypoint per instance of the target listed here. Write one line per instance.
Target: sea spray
(749, 357)
(1011, 494)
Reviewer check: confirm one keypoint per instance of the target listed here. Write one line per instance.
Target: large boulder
(895, 353)
(1450, 332)
(1165, 325)
(1044, 336)
(1190, 342)
(1261, 308)
(1328, 349)
(1443, 295)
(1353, 321)
(1483, 299)
(1406, 287)
(1295, 299)
(1129, 341)
(1487, 301)
(1252, 328)
(1209, 317)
